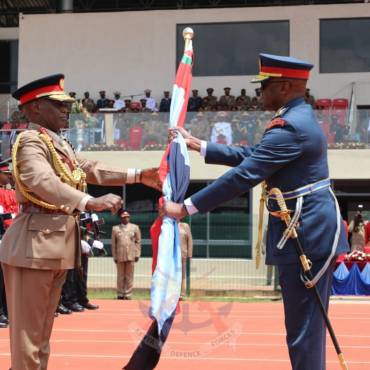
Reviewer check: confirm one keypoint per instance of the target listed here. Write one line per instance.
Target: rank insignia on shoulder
(281, 111)
(275, 122)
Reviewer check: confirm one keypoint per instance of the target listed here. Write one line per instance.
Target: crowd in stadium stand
(226, 119)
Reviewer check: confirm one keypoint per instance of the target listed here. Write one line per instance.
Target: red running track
(205, 336)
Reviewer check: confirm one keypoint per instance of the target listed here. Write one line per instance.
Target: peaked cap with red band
(51, 87)
(282, 67)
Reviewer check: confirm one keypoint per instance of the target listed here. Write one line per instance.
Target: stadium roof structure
(10, 9)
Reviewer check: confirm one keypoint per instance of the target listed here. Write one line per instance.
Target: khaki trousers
(125, 278)
(33, 296)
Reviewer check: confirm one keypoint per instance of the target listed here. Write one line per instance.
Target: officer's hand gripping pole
(306, 265)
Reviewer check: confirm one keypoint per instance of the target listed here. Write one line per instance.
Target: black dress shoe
(3, 325)
(76, 307)
(3, 318)
(127, 298)
(120, 297)
(63, 310)
(90, 306)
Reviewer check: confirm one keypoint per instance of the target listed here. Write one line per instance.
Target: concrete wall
(131, 51)
(341, 163)
(9, 33)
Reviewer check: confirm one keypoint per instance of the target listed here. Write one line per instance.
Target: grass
(145, 295)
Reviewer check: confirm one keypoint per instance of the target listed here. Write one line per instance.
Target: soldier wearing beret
(209, 101)
(44, 240)
(126, 250)
(292, 156)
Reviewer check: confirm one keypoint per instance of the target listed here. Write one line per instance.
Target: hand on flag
(174, 210)
(150, 177)
(191, 142)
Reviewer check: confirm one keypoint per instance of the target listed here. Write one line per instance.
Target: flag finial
(188, 33)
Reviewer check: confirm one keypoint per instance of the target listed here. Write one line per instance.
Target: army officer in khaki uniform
(43, 241)
(186, 243)
(126, 250)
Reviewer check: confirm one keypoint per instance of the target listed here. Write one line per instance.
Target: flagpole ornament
(188, 33)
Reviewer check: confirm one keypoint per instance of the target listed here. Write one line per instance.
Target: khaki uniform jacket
(227, 101)
(186, 240)
(41, 240)
(209, 102)
(126, 242)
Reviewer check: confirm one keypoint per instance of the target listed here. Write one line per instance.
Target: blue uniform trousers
(305, 327)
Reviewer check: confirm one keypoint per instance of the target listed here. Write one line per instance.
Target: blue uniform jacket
(291, 154)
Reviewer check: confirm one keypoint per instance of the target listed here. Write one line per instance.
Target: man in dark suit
(195, 102)
(291, 156)
(165, 103)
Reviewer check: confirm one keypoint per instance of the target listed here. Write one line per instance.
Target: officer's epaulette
(280, 112)
(275, 122)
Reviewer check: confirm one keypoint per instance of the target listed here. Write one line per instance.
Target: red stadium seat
(7, 126)
(22, 126)
(323, 104)
(135, 105)
(340, 103)
(135, 136)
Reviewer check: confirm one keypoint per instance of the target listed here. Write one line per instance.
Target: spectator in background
(150, 103)
(200, 127)
(103, 102)
(126, 250)
(227, 101)
(195, 102)
(309, 99)
(186, 243)
(127, 105)
(357, 230)
(165, 104)
(143, 107)
(256, 102)
(243, 101)
(119, 104)
(221, 131)
(76, 107)
(209, 101)
(88, 103)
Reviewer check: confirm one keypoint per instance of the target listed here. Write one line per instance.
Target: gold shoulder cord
(76, 178)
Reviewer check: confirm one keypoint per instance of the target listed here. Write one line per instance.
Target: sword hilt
(284, 211)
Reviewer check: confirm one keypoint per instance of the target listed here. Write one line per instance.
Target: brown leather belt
(33, 208)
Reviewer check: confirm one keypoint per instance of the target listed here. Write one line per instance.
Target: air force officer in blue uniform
(291, 156)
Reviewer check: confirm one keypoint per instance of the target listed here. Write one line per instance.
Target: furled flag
(174, 172)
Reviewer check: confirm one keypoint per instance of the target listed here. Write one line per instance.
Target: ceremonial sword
(306, 265)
